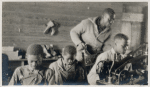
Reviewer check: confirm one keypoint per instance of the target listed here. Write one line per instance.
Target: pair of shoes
(52, 27)
(45, 50)
(49, 51)
(52, 51)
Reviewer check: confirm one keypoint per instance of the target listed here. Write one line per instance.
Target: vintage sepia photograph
(74, 43)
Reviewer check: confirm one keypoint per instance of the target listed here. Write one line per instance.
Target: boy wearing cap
(33, 73)
(67, 71)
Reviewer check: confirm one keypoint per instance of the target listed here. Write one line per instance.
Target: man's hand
(80, 46)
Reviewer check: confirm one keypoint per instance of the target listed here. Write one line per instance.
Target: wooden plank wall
(30, 18)
(135, 30)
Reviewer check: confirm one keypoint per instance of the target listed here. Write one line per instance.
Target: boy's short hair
(69, 50)
(120, 36)
(34, 49)
(109, 11)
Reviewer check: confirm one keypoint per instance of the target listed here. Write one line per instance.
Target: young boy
(67, 71)
(119, 47)
(33, 73)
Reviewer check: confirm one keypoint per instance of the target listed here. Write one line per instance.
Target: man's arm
(76, 32)
(93, 76)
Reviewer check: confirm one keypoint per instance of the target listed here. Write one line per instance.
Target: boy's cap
(34, 49)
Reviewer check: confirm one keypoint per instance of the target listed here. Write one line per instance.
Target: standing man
(33, 73)
(92, 32)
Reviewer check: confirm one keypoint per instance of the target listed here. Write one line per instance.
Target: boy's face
(121, 46)
(34, 61)
(68, 59)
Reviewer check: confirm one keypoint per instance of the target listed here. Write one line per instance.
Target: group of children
(66, 70)
(63, 71)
